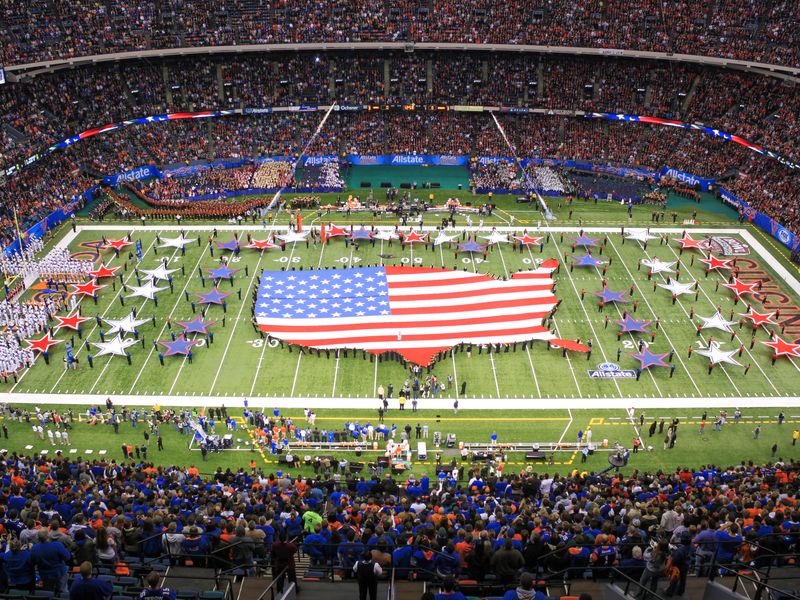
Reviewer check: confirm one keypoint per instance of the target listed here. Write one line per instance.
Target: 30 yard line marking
(172, 312)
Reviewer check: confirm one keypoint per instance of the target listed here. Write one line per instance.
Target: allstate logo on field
(408, 159)
(609, 370)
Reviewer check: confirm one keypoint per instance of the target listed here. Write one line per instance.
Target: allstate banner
(186, 170)
(407, 159)
(705, 184)
(317, 161)
(143, 172)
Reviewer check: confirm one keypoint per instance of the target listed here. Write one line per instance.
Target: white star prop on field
(128, 324)
(117, 346)
(148, 290)
(290, 237)
(443, 238)
(178, 242)
(496, 238)
(678, 288)
(656, 265)
(640, 235)
(161, 272)
(717, 355)
(716, 321)
(386, 235)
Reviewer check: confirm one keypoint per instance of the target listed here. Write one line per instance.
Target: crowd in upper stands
(479, 519)
(49, 107)
(764, 32)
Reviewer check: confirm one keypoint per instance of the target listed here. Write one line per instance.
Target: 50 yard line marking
(489, 346)
(336, 368)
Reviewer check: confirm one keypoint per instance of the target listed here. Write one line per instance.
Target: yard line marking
(533, 372)
(296, 371)
(164, 326)
(488, 347)
(455, 372)
(494, 371)
(569, 358)
(650, 308)
(266, 342)
(338, 352)
(583, 306)
(563, 433)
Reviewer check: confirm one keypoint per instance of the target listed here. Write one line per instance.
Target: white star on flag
(148, 290)
(386, 235)
(291, 237)
(495, 238)
(656, 265)
(443, 238)
(178, 242)
(161, 272)
(116, 347)
(640, 235)
(717, 355)
(716, 321)
(128, 324)
(678, 288)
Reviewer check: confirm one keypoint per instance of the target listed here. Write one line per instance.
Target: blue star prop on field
(584, 241)
(361, 234)
(222, 272)
(608, 296)
(649, 359)
(587, 260)
(180, 346)
(629, 325)
(471, 246)
(196, 325)
(231, 245)
(212, 297)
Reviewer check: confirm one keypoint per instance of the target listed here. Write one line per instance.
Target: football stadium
(408, 299)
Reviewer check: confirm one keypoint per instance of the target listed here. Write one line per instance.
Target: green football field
(526, 395)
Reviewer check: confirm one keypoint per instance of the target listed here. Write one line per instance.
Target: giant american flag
(416, 312)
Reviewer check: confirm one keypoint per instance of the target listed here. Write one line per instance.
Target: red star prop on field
(412, 236)
(758, 318)
(103, 271)
(71, 322)
(739, 287)
(334, 231)
(783, 348)
(526, 239)
(117, 244)
(261, 244)
(43, 344)
(688, 241)
(717, 263)
(86, 289)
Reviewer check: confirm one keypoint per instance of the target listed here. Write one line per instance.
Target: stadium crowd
(479, 522)
(750, 31)
(48, 107)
